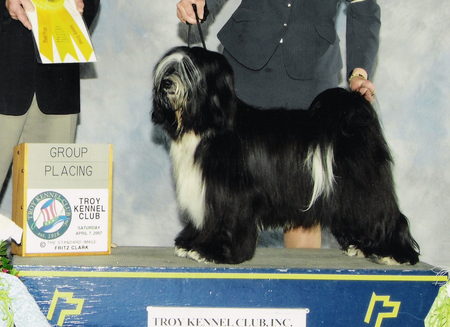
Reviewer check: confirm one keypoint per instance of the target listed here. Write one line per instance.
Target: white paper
(9, 229)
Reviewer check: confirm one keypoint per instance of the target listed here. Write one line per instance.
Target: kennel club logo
(49, 215)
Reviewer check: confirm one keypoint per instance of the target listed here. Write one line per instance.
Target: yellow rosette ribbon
(57, 25)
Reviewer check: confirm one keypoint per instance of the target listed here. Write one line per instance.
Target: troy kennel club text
(221, 322)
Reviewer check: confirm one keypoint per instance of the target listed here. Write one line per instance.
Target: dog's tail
(338, 116)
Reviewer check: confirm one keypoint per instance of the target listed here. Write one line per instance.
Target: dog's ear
(164, 99)
(211, 107)
(223, 98)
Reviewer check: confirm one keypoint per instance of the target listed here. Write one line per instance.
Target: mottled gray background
(412, 80)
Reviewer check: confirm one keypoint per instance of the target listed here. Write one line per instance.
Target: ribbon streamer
(56, 25)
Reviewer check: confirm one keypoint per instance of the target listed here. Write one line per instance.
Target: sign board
(62, 198)
(225, 317)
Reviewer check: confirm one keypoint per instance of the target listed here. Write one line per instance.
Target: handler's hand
(362, 85)
(17, 9)
(185, 11)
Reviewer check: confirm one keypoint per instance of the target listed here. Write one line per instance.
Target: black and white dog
(239, 169)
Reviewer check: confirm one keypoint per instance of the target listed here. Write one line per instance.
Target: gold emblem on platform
(69, 299)
(387, 303)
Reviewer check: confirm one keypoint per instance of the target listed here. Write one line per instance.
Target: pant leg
(11, 128)
(33, 127)
(42, 128)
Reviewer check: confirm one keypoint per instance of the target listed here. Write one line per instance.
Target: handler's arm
(363, 29)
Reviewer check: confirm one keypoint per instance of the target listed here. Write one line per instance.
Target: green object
(6, 303)
(439, 315)
(5, 265)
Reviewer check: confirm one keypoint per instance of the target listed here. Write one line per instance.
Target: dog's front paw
(388, 261)
(191, 254)
(353, 251)
(180, 252)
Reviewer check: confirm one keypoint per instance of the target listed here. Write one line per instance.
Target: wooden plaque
(62, 198)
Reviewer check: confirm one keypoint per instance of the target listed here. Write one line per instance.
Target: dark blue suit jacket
(57, 86)
(307, 30)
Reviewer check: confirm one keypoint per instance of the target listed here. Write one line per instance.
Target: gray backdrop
(412, 81)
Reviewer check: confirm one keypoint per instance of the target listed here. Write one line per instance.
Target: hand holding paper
(17, 8)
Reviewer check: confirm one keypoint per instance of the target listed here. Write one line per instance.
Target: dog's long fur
(239, 169)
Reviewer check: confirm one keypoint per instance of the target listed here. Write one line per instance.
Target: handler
(39, 103)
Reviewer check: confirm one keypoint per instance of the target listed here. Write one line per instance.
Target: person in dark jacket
(285, 52)
(39, 103)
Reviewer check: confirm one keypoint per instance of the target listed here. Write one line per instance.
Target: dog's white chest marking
(188, 178)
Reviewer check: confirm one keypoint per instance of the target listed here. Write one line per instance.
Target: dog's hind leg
(388, 244)
(399, 246)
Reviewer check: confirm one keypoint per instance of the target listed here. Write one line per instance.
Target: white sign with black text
(225, 317)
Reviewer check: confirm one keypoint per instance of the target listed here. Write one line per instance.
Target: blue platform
(335, 290)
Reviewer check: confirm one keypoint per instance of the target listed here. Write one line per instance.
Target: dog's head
(193, 91)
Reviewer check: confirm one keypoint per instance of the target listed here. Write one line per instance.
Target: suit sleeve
(91, 8)
(363, 29)
(211, 4)
(2, 12)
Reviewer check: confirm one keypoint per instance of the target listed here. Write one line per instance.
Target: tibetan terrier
(240, 169)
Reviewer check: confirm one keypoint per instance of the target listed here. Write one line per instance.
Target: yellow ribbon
(57, 24)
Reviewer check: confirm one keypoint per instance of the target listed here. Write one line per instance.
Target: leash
(205, 14)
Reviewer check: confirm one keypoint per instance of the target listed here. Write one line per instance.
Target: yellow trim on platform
(182, 275)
